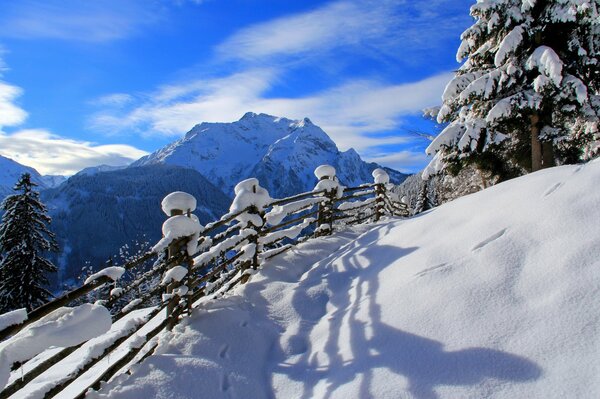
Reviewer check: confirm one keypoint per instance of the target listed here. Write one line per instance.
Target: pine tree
(528, 94)
(24, 237)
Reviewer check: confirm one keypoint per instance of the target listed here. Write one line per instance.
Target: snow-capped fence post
(381, 179)
(328, 182)
(250, 202)
(180, 239)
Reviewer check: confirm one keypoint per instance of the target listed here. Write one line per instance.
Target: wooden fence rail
(206, 263)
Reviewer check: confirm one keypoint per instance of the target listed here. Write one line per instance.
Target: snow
(508, 45)
(249, 193)
(290, 232)
(131, 305)
(328, 181)
(177, 227)
(347, 206)
(176, 274)
(226, 245)
(581, 92)
(112, 272)
(11, 318)
(324, 171)
(547, 62)
(493, 295)
(178, 201)
(380, 176)
(64, 327)
(279, 212)
(502, 109)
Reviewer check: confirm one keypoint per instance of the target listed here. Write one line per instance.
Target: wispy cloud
(353, 110)
(404, 161)
(10, 113)
(92, 21)
(347, 112)
(48, 152)
(52, 154)
(336, 24)
(387, 28)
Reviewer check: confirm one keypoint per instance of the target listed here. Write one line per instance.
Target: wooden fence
(225, 254)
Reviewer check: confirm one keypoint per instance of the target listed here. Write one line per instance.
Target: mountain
(92, 170)
(10, 171)
(280, 152)
(93, 215)
(51, 181)
(492, 295)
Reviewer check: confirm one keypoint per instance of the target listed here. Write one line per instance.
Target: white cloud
(382, 28)
(52, 154)
(92, 21)
(346, 112)
(404, 161)
(114, 100)
(335, 24)
(10, 113)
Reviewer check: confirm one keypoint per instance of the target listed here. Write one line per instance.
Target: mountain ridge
(282, 153)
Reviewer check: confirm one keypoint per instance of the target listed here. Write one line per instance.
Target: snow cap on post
(380, 176)
(249, 193)
(179, 226)
(325, 171)
(178, 201)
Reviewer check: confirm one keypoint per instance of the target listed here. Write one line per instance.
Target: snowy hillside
(280, 152)
(494, 295)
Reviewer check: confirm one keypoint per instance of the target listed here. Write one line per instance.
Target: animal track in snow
(431, 269)
(223, 352)
(488, 240)
(552, 189)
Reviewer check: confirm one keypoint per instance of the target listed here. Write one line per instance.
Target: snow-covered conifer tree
(528, 94)
(24, 237)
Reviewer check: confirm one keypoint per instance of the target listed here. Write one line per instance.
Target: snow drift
(492, 295)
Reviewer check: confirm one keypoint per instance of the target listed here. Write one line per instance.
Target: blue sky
(90, 82)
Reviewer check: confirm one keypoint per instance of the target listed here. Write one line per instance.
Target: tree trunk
(547, 154)
(536, 145)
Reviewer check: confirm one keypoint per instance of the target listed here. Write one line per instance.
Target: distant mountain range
(100, 209)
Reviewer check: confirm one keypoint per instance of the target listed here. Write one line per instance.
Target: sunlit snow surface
(494, 295)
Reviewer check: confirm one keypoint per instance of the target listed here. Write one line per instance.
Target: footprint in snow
(488, 240)
(225, 384)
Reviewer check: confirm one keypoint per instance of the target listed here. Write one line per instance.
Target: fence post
(381, 179)
(328, 182)
(250, 200)
(174, 205)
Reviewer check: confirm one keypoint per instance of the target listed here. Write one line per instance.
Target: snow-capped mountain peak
(282, 153)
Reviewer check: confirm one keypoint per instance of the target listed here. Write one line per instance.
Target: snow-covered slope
(10, 171)
(493, 295)
(280, 152)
